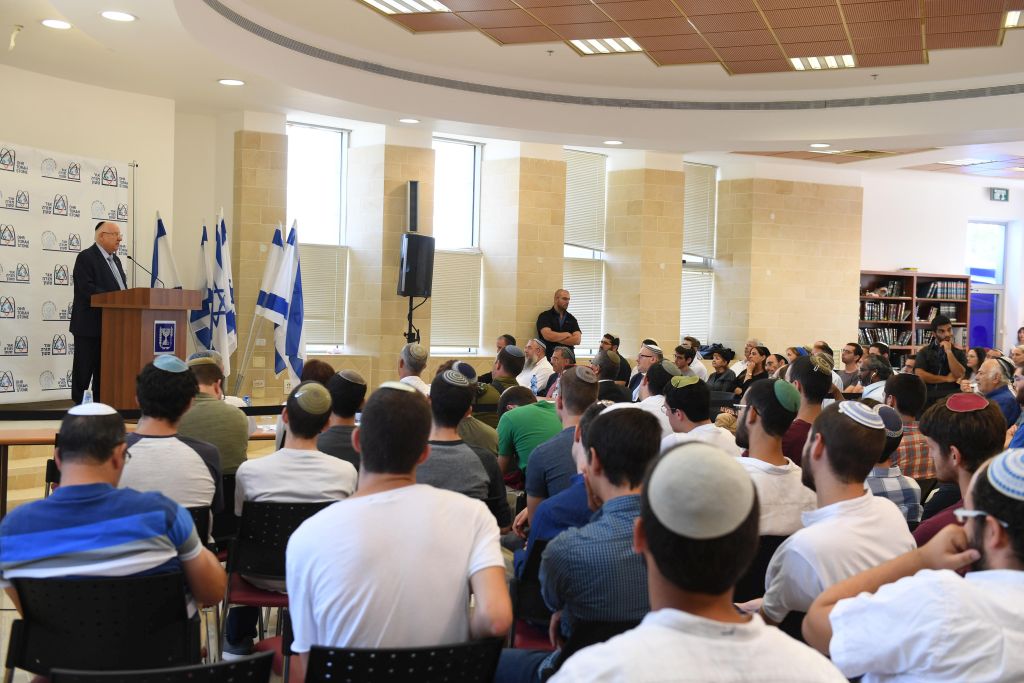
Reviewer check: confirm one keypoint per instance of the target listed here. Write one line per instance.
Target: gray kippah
(540, 342)
(861, 414)
(170, 363)
(585, 374)
(417, 352)
(398, 386)
(313, 398)
(352, 376)
(699, 491)
(456, 379)
(513, 350)
(671, 368)
(92, 409)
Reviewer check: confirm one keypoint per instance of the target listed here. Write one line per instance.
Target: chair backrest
(792, 625)
(719, 400)
(263, 533)
(52, 477)
(587, 633)
(225, 524)
(527, 601)
(462, 663)
(201, 518)
(751, 584)
(254, 669)
(103, 623)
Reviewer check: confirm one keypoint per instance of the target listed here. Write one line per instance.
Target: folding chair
(530, 614)
(52, 477)
(585, 634)
(225, 524)
(751, 584)
(102, 623)
(255, 669)
(462, 663)
(201, 519)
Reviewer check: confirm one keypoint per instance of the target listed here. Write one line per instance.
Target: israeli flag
(222, 312)
(227, 268)
(164, 272)
(283, 306)
(270, 271)
(200, 319)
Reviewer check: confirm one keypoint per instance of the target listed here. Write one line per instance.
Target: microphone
(146, 270)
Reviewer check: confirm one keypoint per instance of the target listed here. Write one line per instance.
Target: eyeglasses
(738, 406)
(962, 515)
(642, 355)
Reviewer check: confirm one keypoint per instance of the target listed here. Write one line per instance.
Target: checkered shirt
(889, 482)
(912, 455)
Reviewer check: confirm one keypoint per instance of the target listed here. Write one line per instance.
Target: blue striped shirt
(95, 530)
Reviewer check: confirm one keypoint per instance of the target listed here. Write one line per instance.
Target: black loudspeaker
(416, 271)
(412, 205)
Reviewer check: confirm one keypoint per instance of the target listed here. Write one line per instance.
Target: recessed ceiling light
(231, 81)
(968, 161)
(408, 120)
(605, 46)
(58, 24)
(613, 142)
(1013, 19)
(820, 63)
(820, 145)
(406, 6)
(113, 15)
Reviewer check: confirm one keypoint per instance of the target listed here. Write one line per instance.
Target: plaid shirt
(912, 455)
(889, 482)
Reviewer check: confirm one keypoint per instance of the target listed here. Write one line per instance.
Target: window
(583, 265)
(316, 182)
(456, 300)
(699, 231)
(324, 296)
(986, 249)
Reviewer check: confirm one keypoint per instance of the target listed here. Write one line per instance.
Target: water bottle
(87, 396)
(533, 384)
(247, 400)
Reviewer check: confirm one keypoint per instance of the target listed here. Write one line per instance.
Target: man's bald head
(561, 300)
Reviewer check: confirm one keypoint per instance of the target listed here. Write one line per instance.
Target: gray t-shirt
(185, 470)
(337, 441)
(456, 466)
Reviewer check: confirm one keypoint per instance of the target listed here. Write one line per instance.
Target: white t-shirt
(291, 475)
(739, 367)
(781, 495)
(417, 383)
(876, 390)
(697, 370)
(937, 626)
(672, 646)
(390, 569)
(542, 371)
(709, 433)
(837, 541)
(185, 470)
(652, 405)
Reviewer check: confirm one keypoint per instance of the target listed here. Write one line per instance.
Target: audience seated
(412, 360)
(962, 432)
(852, 354)
(940, 364)
(783, 498)
(297, 473)
(235, 401)
(88, 527)
(812, 377)
(610, 342)
(159, 459)
(754, 371)
(688, 407)
(552, 466)
(521, 430)
(565, 510)
(886, 479)
(938, 626)
(537, 369)
(348, 393)
(697, 531)
(880, 349)
(502, 341)
(874, 371)
(213, 420)
(652, 393)
(312, 371)
(561, 358)
(454, 464)
(722, 378)
(993, 383)
(686, 360)
(507, 365)
(740, 366)
(776, 366)
(907, 394)
(606, 364)
(851, 530)
(649, 354)
(393, 566)
(590, 574)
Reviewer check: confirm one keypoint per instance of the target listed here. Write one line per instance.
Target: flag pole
(249, 350)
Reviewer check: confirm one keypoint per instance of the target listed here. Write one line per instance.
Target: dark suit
(608, 390)
(91, 276)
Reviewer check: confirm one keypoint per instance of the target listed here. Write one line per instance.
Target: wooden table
(47, 437)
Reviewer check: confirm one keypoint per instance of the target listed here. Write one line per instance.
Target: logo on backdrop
(122, 213)
(8, 157)
(51, 169)
(50, 313)
(74, 242)
(74, 172)
(59, 347)
(7, 307)
(163, 336)
(6, 382)
(59, 276)
(49, 382)
(109, 177)
(18, 348)
(18, 274)
(60, 206)
(19, 202)
(8, 238)
(98, 211)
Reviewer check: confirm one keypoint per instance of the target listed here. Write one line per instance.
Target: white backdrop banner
(49, 203)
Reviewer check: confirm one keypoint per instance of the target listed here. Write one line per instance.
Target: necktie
(115, 271)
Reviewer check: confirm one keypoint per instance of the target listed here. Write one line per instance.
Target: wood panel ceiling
(992, 165)
(845, 156)
(744, 36)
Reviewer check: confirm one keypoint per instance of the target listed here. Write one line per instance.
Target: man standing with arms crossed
(940, 364)
(557, 326)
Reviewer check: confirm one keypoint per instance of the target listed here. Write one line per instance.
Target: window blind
(700, 195)
(585, 182)
(324, 291)
(584, 278)
(695, 304)
(455, 306)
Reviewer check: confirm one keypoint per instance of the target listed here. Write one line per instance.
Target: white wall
(195, 154)
(65, 116)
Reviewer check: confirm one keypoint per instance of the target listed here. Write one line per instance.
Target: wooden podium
(138, 325)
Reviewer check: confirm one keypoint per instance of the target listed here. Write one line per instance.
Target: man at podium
(97, 270)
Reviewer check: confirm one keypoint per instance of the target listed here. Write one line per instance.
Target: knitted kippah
(466, 369)
(417, 352)
(352, 376)
(313, 398)
(170, 363)
(398, 386)
(892, 420)
(92, 409)
(671, 368)
(202, 360)
(456, 379)
(1006, 473)
(680, 381)
(966, 402)
(540, 342)
(513, 350)
(787, 395)
(585, 374)
(861, 414)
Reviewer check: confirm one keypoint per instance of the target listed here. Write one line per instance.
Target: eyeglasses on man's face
(962, 515)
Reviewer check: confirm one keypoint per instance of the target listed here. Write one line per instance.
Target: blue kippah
(170, 363)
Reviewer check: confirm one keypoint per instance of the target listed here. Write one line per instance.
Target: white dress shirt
(781, 496)
(653, 405)
(542, 371)
(416, 383)
(875, 390)
(709, 433)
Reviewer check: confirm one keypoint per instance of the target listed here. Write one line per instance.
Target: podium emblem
(164, 333)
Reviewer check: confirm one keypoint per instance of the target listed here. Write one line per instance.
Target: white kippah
(1006, 473)
(398, 386)
(656, 349)
(861, 414)
(417, 352)
(92, 409)
(699, 491)
(352, 376)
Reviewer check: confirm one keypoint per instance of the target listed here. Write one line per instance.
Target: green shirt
(522, 429)
(476, 433)
(221, 424)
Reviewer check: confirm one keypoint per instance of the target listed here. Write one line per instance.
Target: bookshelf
(896, 308)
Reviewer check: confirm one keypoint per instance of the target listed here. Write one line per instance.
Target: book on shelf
(890, 336)
(877, 310)
(946, 289)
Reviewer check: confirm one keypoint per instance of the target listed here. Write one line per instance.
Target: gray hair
(415, 357)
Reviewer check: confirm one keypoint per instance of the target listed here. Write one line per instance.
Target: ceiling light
(593, 46)
(968, 161)
(613, 142)
(231, 81)
(408, 120)
(831, 151)
(407, 6)
(58, 24)
(826, 62)
(1014, 19)
(820, 145)
(117, 16)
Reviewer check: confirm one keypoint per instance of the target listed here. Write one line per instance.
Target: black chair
(462, 663)
(527, 602)
(225, 523)
(52, 477)
(793, 625)
(130, 622)
(721, 399)
(751, 584)
(587, 633)
(201, 518)
(255, 669)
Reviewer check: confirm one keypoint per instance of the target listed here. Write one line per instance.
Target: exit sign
(999, 194)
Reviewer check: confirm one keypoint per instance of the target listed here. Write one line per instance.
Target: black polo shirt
(932, 358)
(565, 323)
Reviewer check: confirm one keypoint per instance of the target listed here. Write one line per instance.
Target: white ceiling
(178, 50)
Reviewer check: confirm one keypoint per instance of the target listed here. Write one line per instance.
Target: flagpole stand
(412, 335)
